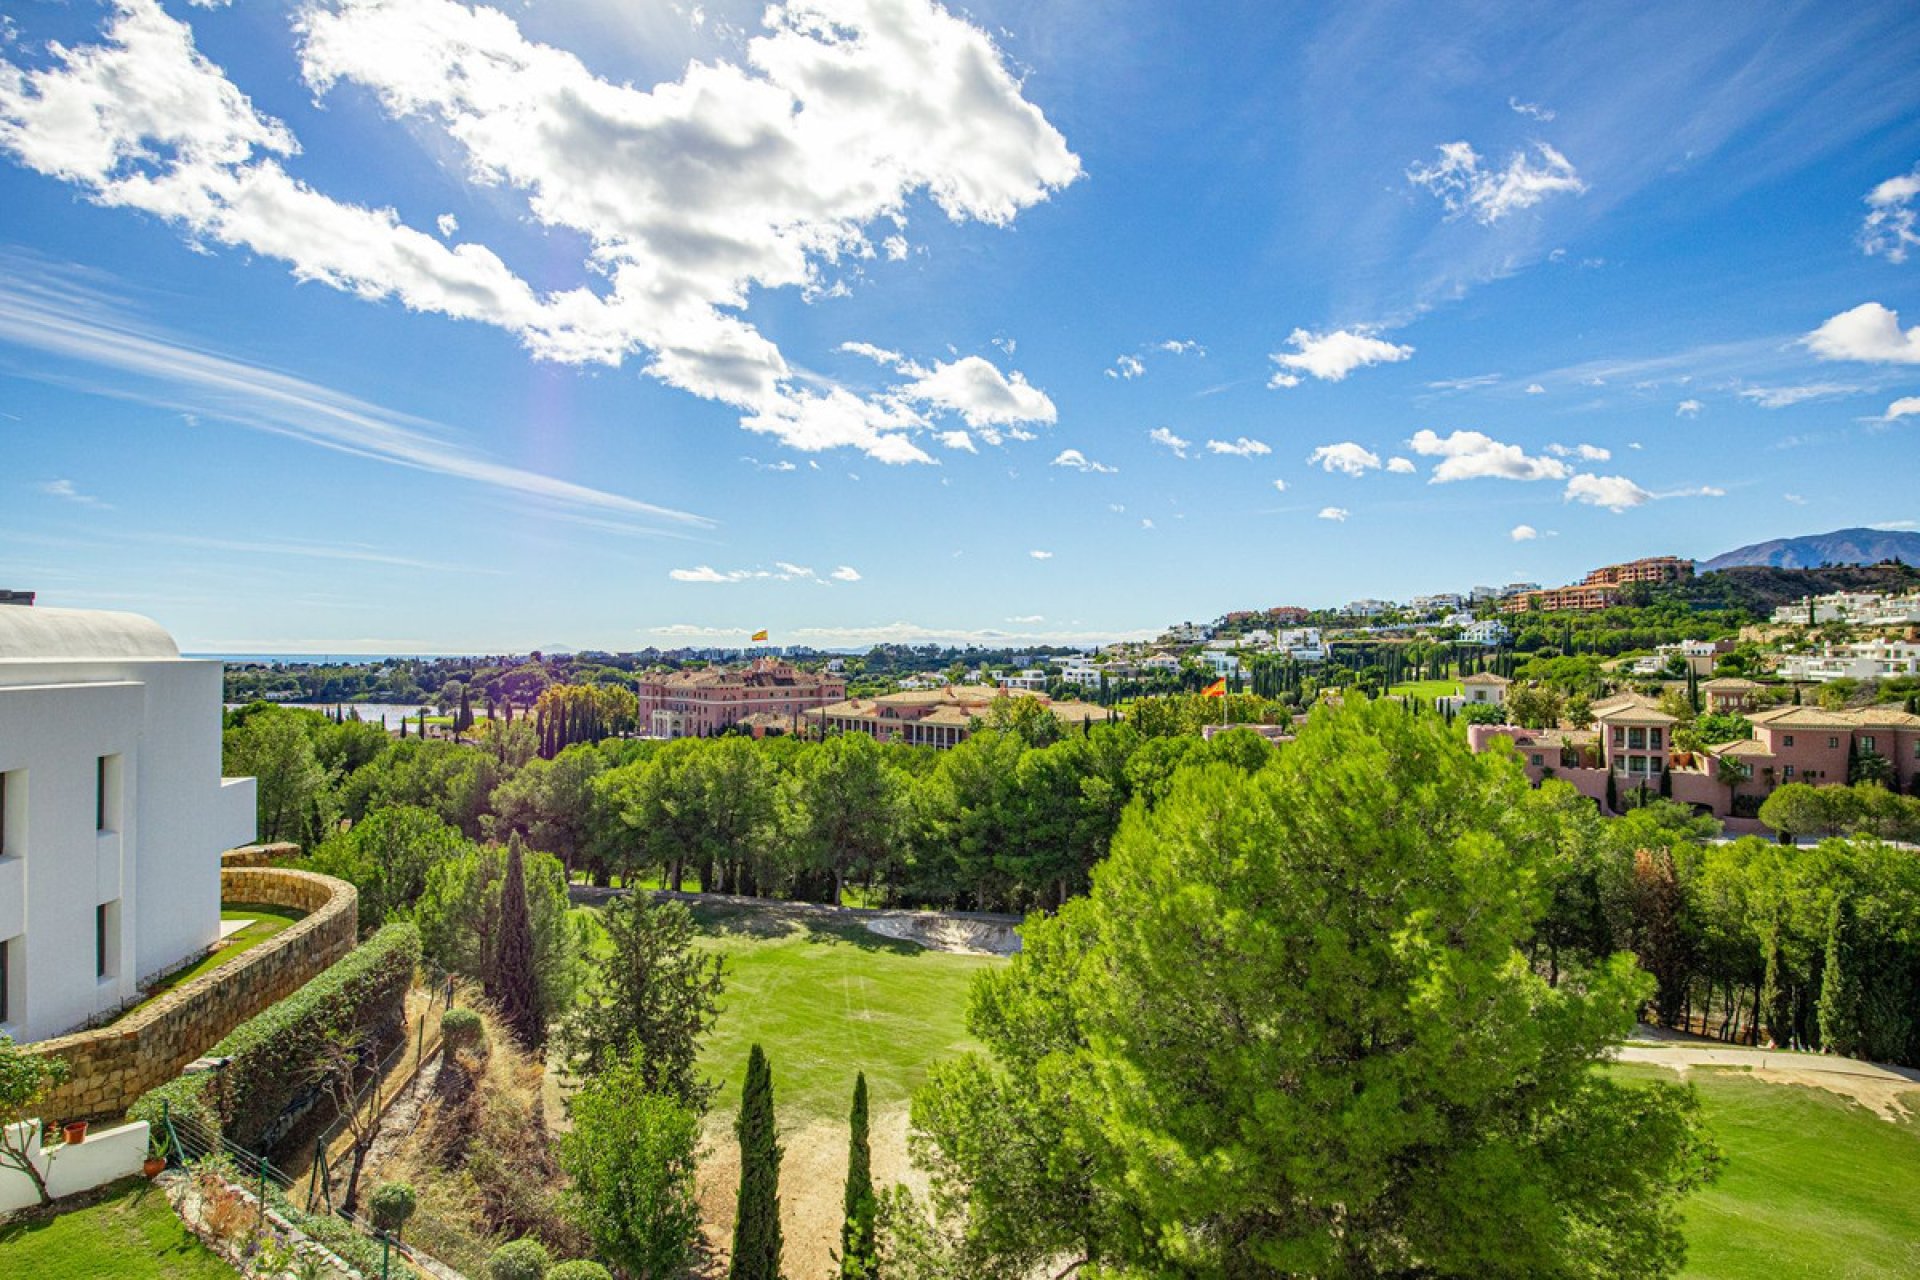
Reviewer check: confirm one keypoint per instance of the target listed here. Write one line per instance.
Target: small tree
(756, 1224)
(631, 1154)
(515, 989)
(518, 1260)
(858, 1255)
(461, 1029)
(25, 1081)
(390, 1206)
(1776, 994)
(336, 1069)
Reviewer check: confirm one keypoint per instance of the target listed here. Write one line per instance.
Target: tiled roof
(1741, 747)
(1728, 684)
(1631, 708)
(1801, 718)
(1486, 677)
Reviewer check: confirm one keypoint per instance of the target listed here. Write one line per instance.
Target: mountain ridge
(1819, 550)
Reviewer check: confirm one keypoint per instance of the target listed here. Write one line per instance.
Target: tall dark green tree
(756, 1223)
(1841, 987)
(1776, 993)
(515, 989)
(858, 1257)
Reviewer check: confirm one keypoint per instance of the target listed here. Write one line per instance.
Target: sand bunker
(961, 934)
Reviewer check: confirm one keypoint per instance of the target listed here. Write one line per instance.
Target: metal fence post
(385, 1250)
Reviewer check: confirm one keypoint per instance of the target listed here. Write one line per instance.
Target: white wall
(160, 860)
(106, 1156)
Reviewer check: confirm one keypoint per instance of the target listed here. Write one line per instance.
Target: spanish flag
(1218, 689)
(759, 636)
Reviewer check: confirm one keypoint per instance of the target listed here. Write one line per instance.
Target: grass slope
(131, 1235)
(1814, 1186)
(1425, 690)
(827, 999)
(267, 921)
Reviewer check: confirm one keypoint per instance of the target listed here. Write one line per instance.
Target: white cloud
(1688, 409)
(1027, 619)
(781, 465)
(1041, 555)
(1889, 228)
(1531, 110)
(895, 247)
(1904, 407)
(980, 393)
(1589, 452)
(1240, 448)
(1279, 486)
(1795, 499)
(735, 178)
(957, 440)
(1332, 356)
(1182, 347)
(782, 571)
(1078, 461)
(913, 633)
(1336, 514)
(1400, 466)
(1869, 332)
(1895, 524)
(1472, 455)
(1615, 493)
(1535, 389)
(1463, 186)
(1523, 533)
(1126, 367)
(1164, 437)
(1472, 383)
(1347, 457)
(1781, 397)
(448, 225)
(66, 489)
(1146, 522)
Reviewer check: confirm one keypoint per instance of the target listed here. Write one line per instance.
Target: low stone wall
(115, 1064)
(260, 855)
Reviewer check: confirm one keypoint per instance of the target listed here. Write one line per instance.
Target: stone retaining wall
(259, 855)
(115, 1064)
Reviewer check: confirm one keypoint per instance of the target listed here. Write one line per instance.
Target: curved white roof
(31, 634)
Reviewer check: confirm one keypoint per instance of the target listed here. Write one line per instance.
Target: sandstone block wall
(115, 1064)
(259, 855)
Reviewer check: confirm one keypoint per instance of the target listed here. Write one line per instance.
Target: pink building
(698, 704)
(937, 717)
(1811, 744)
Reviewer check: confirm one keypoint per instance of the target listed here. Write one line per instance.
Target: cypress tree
(514, 990)
(857, 1260)
(1841, 997)
(1776, 995)
(1613, 794)
(756, 1223)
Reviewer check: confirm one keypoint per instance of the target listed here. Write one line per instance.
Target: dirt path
(1892, 1093)
(813, 1176)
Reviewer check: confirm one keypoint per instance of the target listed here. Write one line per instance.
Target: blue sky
(405, 325)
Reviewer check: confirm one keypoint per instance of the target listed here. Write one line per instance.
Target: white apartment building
(1368, 608)
(1223, 664)
(1444, 602)
(113, 813)
(1302, 644)
(1188, 633)
(1865, 608)
(1486, 631)
(1866, 660)
(1030, 679)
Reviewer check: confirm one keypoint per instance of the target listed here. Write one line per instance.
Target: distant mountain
(1818, 550)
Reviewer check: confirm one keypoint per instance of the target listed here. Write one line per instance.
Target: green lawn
(1425, 690)
(131, 1235)
(1814, 1186)
(825, 1001)
(267, 921)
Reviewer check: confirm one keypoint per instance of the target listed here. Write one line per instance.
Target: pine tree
(1841, 997)
(515, 989)
(857, 1252)
(756, 1223)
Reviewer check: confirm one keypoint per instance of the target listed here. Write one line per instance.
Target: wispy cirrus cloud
(1467, 187)
(782, 571)
(67, 491)
(1889, 229)
(1166, 439)
(53, 316)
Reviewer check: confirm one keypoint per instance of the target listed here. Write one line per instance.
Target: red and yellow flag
(759, 635)
(1218, 689)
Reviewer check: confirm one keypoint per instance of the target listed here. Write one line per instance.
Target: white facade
(113, 813)
(1865, 608)
(1486, 631)
(1302, 644)
(1029, 679)
(1223, 664)
(1868, 660)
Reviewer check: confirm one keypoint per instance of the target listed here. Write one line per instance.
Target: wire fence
(313, 1198)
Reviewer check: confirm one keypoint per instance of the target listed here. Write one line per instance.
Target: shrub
(390, 1205)
(270, 1056)
(461, 1029)
(579, 1269)
(520, 1260)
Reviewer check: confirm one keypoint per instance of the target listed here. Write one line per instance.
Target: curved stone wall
(114, 1064)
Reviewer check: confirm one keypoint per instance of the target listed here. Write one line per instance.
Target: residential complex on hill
(113, 813)
(938, 717)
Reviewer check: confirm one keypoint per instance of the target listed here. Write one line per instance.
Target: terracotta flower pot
(75, 1132)
(152, 1167)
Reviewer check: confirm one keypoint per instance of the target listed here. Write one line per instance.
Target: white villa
(1866, 660)
(113, 813)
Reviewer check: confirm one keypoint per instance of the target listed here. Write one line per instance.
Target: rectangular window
(1789, 771)
(6, 977)
(1653, 739)
(1637, 739)
(1866, 742)
(1619, 736)
(100, 794)
(100, 941)
(1788, 740)
(1833, 744)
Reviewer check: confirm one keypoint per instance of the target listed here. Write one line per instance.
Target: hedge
(271, 1056)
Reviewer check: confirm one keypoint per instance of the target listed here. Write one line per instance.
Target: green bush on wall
(520, 1260)
(579, 1269)
(460, 1029)
(271, 1056)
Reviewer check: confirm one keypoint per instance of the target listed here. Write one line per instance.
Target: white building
(1223, 664)
(1442, 602)
(113, 813)
(1867, 660)
(1865, 608)
(1485, 631)
(1030, 679)
(1368, 608)
(1302, 644)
